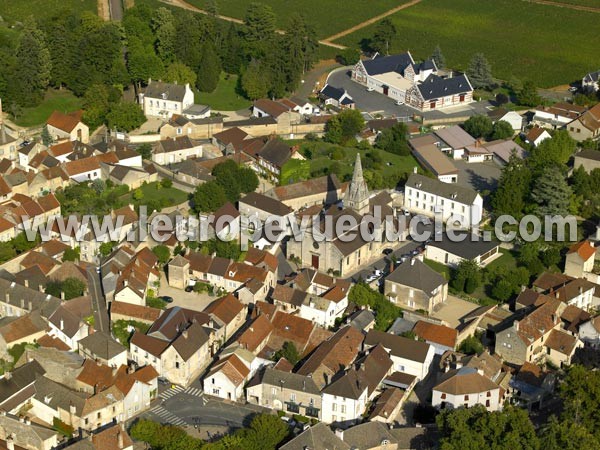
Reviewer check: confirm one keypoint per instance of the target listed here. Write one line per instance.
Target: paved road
(101, 322)
(378, 103)
(116, 9)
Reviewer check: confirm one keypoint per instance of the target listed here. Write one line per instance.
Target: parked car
(387, 251)
(378, 273)
(167, 299)
(189, 288)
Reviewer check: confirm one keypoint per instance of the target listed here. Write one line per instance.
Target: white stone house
(165, 99)
(467, 387)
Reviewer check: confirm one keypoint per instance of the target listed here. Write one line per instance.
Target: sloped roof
(438, 334)
(267, 204)
(435, 87)
(256, 333)
(399, 346)
(585, 250)
(65, 122)
(384, 64)
(418, 275)
(225, 308)
(172, 92)
(465, 380)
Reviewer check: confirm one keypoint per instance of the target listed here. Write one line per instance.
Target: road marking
(171, 392)
(167, 416)
(193, 391)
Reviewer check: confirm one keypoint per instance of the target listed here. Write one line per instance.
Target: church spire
(357, 196)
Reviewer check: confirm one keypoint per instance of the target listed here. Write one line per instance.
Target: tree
(580, 392)
(267, 431)
(163, 25)
(46, 136)
(142, 62)
(106, 248)
(259, 29)
(125, 116)
(209, 71)
(394, 139)
(471, 346)
(438, 57)
(467, 276)
(552, 193)
(34, 65)
(349, 56)
(480, 72)
(254, 84)
(528, 95)
(289, 352)
(502, 130)
(72, 288)
(71, 254)
(478, 126)
(163, 253)
(567, 435)
(96, 103)
(145, 150)
(344, 126)
(385, 31)
(209, 197)
(232, 52)
(557, 150)
(138, 194)
(179, 73)
(301, 45)
(476, 428)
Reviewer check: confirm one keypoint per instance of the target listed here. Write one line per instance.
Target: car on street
(387, 251)
(378, 273)
(167, 299)
(189, 288)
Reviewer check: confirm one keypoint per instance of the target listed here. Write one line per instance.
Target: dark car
(387, 251)
(167, 299)
(189, 288)
(163, 381)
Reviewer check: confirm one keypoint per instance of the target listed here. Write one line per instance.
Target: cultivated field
(19, 10)
(591, 3)
(327, 16)
(523, 39)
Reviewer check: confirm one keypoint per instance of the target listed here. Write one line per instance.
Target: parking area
(190, 300)
(378, 103)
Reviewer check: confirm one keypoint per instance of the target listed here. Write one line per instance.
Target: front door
(386, 90)
(315, 261)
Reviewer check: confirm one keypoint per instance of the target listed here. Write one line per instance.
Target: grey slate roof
(447, 190)
(55, 395)
(102, 345)
(293, 381)
(435, 87)
(20, 378)
(418, 275)
(368, 435)
(589, 154)
(385, 64)
(398, 346)
(469, 248)
(318, 437)
(174, 92)
(12, 293)
(593, 76)
(276, 152)
(332, 92)
(267, 204)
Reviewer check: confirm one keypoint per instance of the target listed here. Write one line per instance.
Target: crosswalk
(193, 391)
(167, 416)
(170, 392)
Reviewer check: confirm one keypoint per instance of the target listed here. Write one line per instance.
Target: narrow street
(101, 322)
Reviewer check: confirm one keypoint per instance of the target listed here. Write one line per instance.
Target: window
(99, 414)
(487, 403)
(334, 407)
(293, 408)
(443, 396)
(215, 391)
(312, 412)
(179, 131)
(343, 409)
(293, 397)
(273, 390)
(466, 397)
(432, 105)
(334, 418)
(177, 365)
(489, 394)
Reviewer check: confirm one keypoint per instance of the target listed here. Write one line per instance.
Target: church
(321, 249)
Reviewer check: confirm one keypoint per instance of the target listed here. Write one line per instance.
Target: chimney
(412, 262)
(339, 433)
(480, 371)
(7, 297)
(62, 295)
(7, 375)
(10, 443)
(62, 324)
(95, 388)
(22, 303)
(557, 295)
(120, 442)
(26, 282)
(30, 305)
(580, 290)
(516, 325)
(185, 334)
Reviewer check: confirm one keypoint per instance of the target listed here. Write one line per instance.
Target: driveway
(378, 103)
(453, 309)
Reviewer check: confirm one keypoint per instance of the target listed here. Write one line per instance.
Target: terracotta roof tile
(258, 332)
(438, 334)
(585, 249)
(65, 122)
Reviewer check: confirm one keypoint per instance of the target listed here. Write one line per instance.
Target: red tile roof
(65, 122)
(438, 334)
(585, 249)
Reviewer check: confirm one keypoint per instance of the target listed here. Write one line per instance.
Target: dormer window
(164, 95)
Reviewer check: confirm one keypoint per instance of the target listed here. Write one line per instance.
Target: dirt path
(371, 21)
(566, 5)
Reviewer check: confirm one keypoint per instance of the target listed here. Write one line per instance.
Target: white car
(371, 278)
(378, 272)
(370, 89)
(399, 103)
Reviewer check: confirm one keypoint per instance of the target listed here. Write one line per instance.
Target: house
(114, 437)
(414, 285)
(580, 258)
(423, 195)
(317, 437)
(261, 207)
(101, 347)
(453, 140)
(134, 177)
(466, 387)
(17, 433)
(127, 311)
(464, 246)
(589, 332)
(344, 400)
(179, 345)
(256, 335)
(165, 99)
(441, 337)
(325, 190)
(586, 126)
(332, 356)
(538, 336)
(135, 278)
(408, 355)
(15, 331)
(499, 150)
(589, 83)
(68, 126)
(285, 391)
(27, 153)
(536, 136)
(336, 97)
(512, 117)
(171, 151)
(271, 158)
(438, 93)
(425, 150)
(68, 322)
(197, 112)
(18, 386)
(227, 376)
(265, 107)
(571, 291)
(86, 169)
(302, 106)
(588, 159)
(230, 312)
(556, 116)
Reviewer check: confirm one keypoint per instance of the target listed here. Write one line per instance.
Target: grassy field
(62, 100)
(592, 3)
(519, 38)
(19, 10)
(225, 97)
(327, 16)
(151, 192)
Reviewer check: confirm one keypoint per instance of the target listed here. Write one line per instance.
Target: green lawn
(225, 97)
(19, 10)
(521, 39)
(327, 16)
(62, 100)
(439, 267)
(151, 192)
(508, 259)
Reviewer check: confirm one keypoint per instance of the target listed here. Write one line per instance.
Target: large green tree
(209, 71)
(163, 25)
(480, 72)
(254, 83)
(179, 73)
(394, 139)
(557, 150)
(344, 126)
(511, 196)
(124, 116)
(438, 57)
(385, 32)
(467, 276)
(551, 193)
(209, 197)
(478, 126)
(567, 435)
